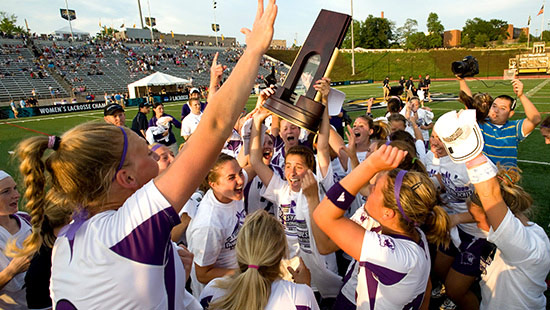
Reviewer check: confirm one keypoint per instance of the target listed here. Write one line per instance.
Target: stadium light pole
(69, 19)
(140, 15)
(150, 22)
(352, 43)
(215, 23)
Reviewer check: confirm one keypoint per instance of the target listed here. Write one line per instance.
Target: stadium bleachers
(17, 62)
(105, 67)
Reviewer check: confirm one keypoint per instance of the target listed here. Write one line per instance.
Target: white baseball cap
(460, 134)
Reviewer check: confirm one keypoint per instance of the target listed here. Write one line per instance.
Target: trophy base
(306, 113)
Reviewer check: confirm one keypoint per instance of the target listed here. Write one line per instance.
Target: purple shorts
(470, 253)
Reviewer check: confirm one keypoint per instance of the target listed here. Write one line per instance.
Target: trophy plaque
(296, 100)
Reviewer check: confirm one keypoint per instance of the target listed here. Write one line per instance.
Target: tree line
(377, 32)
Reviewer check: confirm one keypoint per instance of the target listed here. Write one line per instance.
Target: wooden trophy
(296, 100)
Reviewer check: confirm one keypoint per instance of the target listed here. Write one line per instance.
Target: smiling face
(195, 106)
(500, 111)
(159, 110)
(117, 119)
(230, 182)
(9, 196)
(290, 133)
(267, 149)
(436, 146)
(362, 131)
(295, 169)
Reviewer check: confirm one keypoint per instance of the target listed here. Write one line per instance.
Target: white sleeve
(421, 151)
(206, 244)
(305, 299)
(272, 191)
(514, 241)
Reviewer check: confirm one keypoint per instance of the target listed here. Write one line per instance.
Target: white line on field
(534, 162)
(537, 88)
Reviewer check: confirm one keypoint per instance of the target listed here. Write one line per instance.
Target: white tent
(65, 33)
(155, 79)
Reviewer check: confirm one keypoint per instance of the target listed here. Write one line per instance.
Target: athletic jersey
(212, 235)
(393, 272)
(279, 192)
(121, 259)
(12, 295)
(189, 124)
(515, 279)
(349, 287)
(283, 295)
(457, 191)
(501, 142)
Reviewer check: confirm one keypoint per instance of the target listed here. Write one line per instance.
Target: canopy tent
(155, 81)
(65, 33)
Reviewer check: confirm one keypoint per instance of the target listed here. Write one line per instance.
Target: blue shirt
(501, 142)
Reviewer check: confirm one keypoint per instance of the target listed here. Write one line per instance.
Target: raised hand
(323, 86)
(309, 184)
(301, 274)
(518, 87)
(350, 149)
(385, 158)
(259, 38)
(264, 94)
(216, 70)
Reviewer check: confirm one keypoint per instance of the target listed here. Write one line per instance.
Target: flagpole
(352, 43)
(542, 22)
(150, 22)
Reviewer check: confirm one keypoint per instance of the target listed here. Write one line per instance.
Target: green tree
(434, 40)
(417, 40)
(356, 31)
(493, 30)
(434, 25)
(376, 32)
(522, 37)
(8, 24)
(409, 27)
(481, 39)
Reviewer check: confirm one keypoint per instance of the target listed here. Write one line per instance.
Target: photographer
(502, 135)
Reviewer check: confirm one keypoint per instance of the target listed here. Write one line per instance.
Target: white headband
(4, 175)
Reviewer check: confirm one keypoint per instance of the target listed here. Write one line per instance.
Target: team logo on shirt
(287, 216)
(386, 242)
(231, 241)
(303, 236)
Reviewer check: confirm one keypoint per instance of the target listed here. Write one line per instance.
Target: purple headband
(544, 126)
(124, 149)
(156, 146)
(397, 191)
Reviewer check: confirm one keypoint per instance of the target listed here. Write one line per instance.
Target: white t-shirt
(457, 189)
(253, 199)
(425, 118)
(515, 279)
(121, 259)
(284, 295)
(190, 123)
(393, 272)
(212, 235)
(12, 295)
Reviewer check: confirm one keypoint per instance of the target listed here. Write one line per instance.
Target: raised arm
(323, 151)
(203, 147)
(216, 73)
(463, 86)
(483, 175)
(531, 112)
(330, 218)
(262, 170)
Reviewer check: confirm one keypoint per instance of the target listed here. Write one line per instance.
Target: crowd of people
(255, 213)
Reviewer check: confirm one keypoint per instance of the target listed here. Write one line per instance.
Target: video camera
(466, 68)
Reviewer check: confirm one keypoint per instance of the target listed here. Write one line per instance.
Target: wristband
(340, 197)
(483, 172)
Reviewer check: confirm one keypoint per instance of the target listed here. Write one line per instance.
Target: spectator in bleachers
(114, 114)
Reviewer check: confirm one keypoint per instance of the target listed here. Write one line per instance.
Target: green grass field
(534, 155)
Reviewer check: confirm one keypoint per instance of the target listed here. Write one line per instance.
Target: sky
(294, 20)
